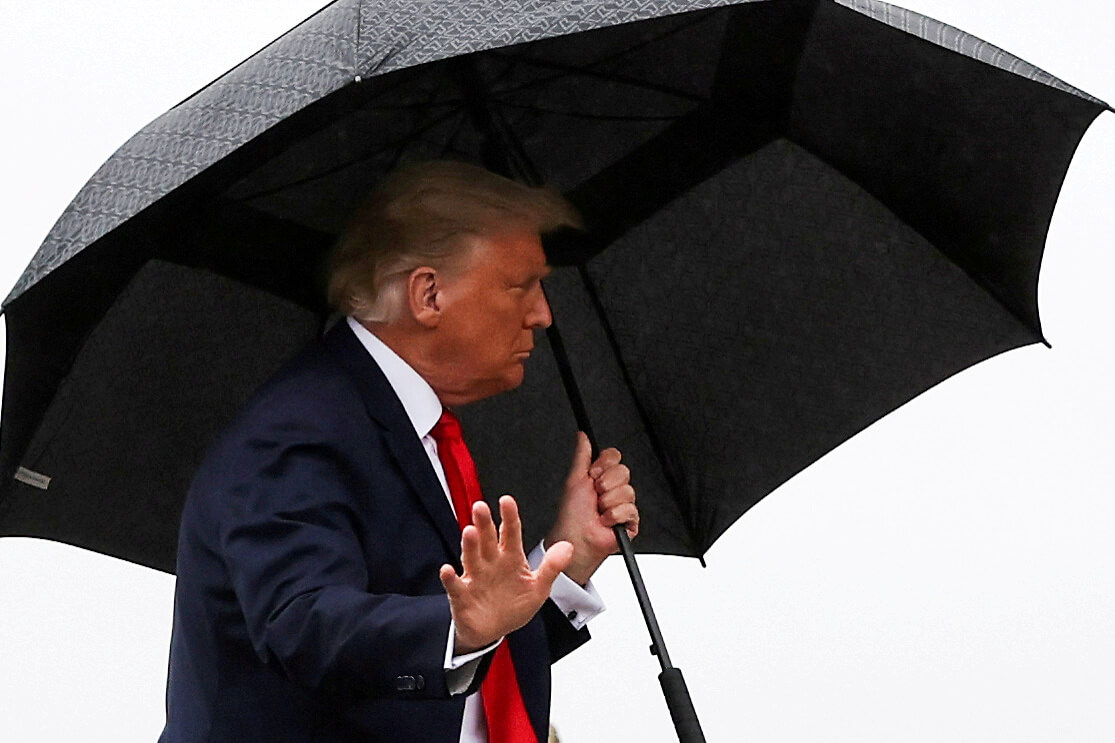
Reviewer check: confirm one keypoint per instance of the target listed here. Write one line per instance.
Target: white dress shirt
(422, 406)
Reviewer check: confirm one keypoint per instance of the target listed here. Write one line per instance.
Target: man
(338, 578)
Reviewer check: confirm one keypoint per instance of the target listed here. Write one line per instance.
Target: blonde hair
(430, 214)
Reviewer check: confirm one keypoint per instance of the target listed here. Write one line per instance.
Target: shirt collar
(417, 396)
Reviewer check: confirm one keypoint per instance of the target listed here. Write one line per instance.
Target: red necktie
(503, 702)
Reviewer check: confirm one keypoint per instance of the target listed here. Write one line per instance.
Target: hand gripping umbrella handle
(673, 684)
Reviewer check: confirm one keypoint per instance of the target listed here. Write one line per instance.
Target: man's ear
(422, 296)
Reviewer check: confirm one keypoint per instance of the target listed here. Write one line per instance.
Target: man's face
(491, 306)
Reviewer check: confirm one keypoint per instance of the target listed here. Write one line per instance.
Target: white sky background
(945, 576)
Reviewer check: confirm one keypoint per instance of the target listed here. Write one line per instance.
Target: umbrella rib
(609, 58)
(398, 143)
(429, 102)
(585, 114)
(702, 17)
(420, 105)
(566, 70)
(396, 82)
(563, 69)
(451, 142)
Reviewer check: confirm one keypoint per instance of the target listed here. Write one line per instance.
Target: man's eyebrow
(536, 275)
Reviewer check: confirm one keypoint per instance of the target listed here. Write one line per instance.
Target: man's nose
(540, 315)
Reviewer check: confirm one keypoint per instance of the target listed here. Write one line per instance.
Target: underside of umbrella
(802, 214)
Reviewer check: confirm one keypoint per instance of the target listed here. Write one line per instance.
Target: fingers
(608, 458)
(615, 500)
(486, 530)
(554, 562)
(622, 514)
(471, 554)
(616, 497)
(582, 456)
(450, 581)
(612, 477)
(511, 527)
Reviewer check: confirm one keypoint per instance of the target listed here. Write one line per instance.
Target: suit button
(410, 683)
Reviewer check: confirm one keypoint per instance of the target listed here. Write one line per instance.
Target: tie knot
(447, 428)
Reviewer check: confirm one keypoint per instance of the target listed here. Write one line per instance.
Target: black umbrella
(760, 143)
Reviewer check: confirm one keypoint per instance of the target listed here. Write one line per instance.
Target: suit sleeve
(561, 637)
(289, 539)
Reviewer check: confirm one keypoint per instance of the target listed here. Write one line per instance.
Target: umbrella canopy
(813, 212)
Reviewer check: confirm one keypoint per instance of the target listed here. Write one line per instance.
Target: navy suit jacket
(308, 605)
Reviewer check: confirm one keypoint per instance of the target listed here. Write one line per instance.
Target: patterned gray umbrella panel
(802, 214)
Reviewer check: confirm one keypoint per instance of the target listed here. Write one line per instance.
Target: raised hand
(498, 592)
(598, 495)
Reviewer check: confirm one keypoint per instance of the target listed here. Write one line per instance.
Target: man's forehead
(517, 248)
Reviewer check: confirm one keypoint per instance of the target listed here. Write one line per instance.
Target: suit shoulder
(310, 397)
(314, 373)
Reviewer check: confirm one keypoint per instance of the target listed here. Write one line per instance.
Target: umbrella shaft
(658, 645)
(580, 413)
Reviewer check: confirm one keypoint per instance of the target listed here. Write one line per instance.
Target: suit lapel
(384, 407)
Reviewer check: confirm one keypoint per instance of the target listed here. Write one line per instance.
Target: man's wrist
(579, 571)
(457, 653)
(464, 645)
(578, 602)
(580, 576)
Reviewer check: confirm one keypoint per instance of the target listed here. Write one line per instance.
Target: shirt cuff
(460, 670)
(578, 603)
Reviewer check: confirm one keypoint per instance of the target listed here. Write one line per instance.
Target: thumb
(556, 559)
(450, 581)
(582, 457)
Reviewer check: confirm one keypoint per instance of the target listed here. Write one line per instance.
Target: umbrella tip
(701, 559)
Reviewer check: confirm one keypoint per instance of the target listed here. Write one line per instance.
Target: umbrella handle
(686, 724)
(678, 701)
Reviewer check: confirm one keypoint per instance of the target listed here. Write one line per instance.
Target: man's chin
(516, 375)
(512, 380)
